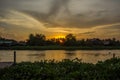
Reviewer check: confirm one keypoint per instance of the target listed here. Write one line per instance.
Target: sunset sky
(84, 18)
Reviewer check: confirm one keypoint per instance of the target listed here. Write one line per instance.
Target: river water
(88, 56)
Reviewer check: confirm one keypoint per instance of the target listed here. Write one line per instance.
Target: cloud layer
(88, 18)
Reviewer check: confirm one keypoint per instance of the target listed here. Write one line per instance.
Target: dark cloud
(60, 14)
(90, 32)
(9, 4)
(79, 20)
(80, 14)
(57, 5)
(115, 27)
(112, 27)
(17, 32)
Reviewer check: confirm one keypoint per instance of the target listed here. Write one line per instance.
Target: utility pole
(113, 55)
(14, 57)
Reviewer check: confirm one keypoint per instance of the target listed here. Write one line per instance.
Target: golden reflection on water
(89, 56)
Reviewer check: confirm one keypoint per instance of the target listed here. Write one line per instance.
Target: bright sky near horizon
(84, 18)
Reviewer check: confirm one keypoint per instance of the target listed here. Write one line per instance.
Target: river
(88, 56)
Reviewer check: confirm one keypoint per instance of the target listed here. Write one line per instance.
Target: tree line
(69, 40)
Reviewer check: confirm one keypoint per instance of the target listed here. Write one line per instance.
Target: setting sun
(60, 36)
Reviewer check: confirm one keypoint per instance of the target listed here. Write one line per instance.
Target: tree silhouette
(31, 41)
(70, 40)
(36, 40)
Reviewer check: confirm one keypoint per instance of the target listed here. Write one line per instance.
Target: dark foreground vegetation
(64, 70)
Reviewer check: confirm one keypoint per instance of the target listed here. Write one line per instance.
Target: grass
(62, 48)
(64, 70)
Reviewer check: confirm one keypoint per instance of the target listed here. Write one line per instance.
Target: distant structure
(106, 42)
(7, 42)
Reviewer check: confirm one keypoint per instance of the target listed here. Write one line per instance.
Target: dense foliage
(64, 70)
(68, 40)
(38, 39)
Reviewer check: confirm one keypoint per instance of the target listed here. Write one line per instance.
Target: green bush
(64, 70)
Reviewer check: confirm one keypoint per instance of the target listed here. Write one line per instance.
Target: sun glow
(60, 36)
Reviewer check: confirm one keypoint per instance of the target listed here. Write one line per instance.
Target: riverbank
(64, 70)
(61, 48)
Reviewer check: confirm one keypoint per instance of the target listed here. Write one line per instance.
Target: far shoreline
(61, 48)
